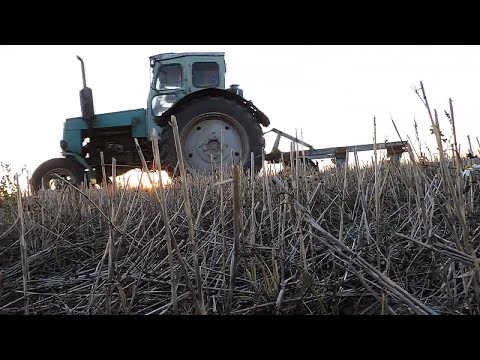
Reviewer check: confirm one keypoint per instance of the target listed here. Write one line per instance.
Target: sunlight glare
(135, 178)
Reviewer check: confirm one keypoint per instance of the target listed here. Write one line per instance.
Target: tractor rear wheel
(67, 168)
(201, 124)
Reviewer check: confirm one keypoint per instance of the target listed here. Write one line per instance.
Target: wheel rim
(201, 142)
(52, 182)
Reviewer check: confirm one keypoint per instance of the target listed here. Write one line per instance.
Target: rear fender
(259, 115)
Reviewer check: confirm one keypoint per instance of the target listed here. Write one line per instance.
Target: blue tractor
(190, 86)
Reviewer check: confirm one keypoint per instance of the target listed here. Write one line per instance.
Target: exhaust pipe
(86, 99)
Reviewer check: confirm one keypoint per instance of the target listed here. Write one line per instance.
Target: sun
(138, 178)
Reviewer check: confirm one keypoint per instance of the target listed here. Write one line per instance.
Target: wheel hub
(52, 182)
(202, 141)
(213, 146)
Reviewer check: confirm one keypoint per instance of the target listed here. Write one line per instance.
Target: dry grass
(100, 251)
(383, 239)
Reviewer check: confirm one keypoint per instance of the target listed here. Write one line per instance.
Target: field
(386, 237)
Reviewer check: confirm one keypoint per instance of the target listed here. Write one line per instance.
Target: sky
(328, 93)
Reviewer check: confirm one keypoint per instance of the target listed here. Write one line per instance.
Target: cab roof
(167, 56)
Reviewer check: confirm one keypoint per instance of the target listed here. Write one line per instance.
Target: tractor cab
(175, 75)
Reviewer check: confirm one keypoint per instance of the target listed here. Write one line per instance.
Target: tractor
(213, 122)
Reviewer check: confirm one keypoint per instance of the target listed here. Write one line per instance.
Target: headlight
(162, 103)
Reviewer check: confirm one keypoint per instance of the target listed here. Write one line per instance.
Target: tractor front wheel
(45, 176)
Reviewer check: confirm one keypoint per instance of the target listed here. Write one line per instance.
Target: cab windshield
(169, 77)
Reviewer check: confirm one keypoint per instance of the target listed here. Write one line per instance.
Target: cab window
(205, 74)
